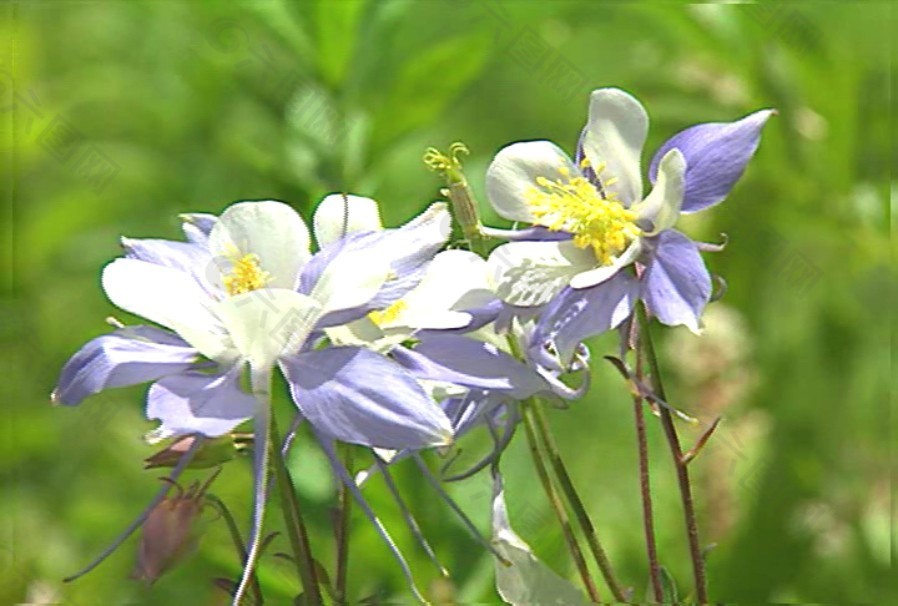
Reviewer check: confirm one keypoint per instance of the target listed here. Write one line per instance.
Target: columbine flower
(249, 297)
(245, 294)
(591, 219)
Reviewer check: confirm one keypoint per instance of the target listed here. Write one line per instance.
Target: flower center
(246, 275)
(388, 315)
(574, 205)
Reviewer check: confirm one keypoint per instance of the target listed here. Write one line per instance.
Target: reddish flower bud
(169, 532)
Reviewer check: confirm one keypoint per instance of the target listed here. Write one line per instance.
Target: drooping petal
(514, 171)
(716, 155)
(677, 283)
(270, 230)
(528, 274)
(339, 215)
(613, 140)
(523, 579)
(592, 277)
(168, 297)
(130, 356)
(360, 397)
(470, 363)
(199, 402)
(574, 315)
(661, 208)
(267, 323)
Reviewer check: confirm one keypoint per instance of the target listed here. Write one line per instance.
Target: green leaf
(336, 25)
(427, 84)
(668, 587)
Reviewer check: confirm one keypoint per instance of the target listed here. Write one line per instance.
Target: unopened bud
(464, 205)
(170, 531)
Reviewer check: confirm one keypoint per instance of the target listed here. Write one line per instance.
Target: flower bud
(169, 532)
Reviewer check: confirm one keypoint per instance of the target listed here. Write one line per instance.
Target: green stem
(676, 451)
(343, 531)
(238, 545)
(555, 502)
(573, 497)
(296, 529)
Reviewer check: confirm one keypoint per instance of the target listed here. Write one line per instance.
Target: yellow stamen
(573, 204)
(247, 275)
(388, 315)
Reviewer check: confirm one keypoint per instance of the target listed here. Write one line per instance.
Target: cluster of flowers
(389, 340)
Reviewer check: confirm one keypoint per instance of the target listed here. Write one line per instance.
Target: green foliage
(191, 106)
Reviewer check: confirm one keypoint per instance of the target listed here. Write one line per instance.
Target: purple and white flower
(591, 219)
(245, 295)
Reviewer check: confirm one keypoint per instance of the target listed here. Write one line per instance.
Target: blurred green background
(116, 116)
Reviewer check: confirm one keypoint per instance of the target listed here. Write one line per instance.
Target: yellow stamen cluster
(247, 275)
(573, 204)
(388, 315)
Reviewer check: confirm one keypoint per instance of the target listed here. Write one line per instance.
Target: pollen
(573, 204)
(388, 315)
(247, 275)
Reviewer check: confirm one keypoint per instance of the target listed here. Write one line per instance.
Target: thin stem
(238, 544)
(676, 451)
(573, 497)
(296, 529)
(645, 487)
(555, 502)
(342, 529)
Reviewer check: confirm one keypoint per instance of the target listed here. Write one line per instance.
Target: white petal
(514, 171)
(168, 297)
(269, 322)
(271, 230)
(662, 206)
(600, 274)
(351, 279)
(531, 273)
(430, 229)
(524, 579)
(338, 215)
(455, 280)
(614, 136)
